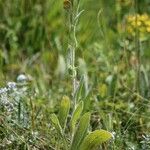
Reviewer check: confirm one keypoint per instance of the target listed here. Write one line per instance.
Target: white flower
(22, 78)
(109, 79)
(11, 85)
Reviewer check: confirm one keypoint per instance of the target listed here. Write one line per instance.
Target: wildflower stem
(73, 20)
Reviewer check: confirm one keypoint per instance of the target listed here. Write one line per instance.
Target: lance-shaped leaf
(79, 90)
(64, 111)
(76, 115)
(81, 131)
(55, 122)
(94, 139)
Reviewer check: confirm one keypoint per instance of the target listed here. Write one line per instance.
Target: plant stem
(137, 46)
(73, 42)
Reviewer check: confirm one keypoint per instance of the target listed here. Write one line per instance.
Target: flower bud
(67, 4)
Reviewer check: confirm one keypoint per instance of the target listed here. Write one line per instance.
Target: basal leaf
(56, 123)
(64, 110)
(81, 131)
(76, 115)
(94, 139)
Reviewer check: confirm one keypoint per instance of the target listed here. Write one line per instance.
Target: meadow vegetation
(75, 75)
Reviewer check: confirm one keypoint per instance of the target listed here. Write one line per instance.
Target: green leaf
(56, 123)
(79, 91)
(64, 111)
(103, 90)
(76, 115)
(112, 85)
(81, 131)
(94, 139)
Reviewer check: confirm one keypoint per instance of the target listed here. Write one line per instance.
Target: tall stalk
(72, 8)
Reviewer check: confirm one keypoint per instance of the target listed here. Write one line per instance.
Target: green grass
(67, 100)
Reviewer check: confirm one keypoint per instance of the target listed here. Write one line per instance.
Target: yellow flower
(129, 29)
(147, 23)
(131, 18)
(136, 23)
(137, 17)
(144, 17)
(148, 29)
(142, 29)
